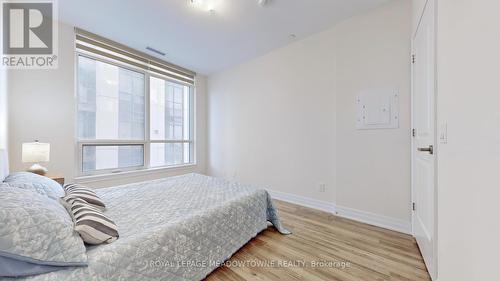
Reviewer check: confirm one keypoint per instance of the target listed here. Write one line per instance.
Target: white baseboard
(303, 201)
(345, 212)
(375, 219)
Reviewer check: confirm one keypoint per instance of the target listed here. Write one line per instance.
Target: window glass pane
(110, 101)
(112, 157)
(170, 110)
(168, 154)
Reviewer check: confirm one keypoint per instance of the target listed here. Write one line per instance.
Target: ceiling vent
(155, 51)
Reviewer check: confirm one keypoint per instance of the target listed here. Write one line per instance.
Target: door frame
(436, 143)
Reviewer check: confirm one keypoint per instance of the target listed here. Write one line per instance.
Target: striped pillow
(85, 193)
(92, 225)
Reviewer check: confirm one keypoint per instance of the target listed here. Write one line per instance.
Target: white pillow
(36, 235)
(37, 183)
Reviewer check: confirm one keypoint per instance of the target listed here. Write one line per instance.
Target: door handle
(429, 149)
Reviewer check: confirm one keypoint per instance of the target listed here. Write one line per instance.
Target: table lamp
(36, 152)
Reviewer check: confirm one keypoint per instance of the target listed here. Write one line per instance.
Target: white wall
(417, 10)
(468, 98)
(3, 108)
(373, 52)
(272, 120)
(286, 120)
(42, 106)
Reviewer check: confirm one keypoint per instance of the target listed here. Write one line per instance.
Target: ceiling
(205, 42)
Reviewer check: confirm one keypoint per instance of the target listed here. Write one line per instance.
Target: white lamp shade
(35, 152)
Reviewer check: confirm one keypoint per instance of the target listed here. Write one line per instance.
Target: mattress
(178, 228)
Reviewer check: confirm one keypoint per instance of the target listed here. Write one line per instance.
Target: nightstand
(58, 179)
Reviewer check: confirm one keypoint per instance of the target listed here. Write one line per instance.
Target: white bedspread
(178, 228)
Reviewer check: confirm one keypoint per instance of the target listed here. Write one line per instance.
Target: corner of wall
(201, 119)
(4, 89)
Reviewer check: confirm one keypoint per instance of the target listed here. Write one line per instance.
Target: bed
(177, 228)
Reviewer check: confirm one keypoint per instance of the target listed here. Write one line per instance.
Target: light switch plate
(443, 133)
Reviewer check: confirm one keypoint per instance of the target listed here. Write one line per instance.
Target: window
(170, 127)
(129, 117)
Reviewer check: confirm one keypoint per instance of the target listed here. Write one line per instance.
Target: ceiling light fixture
(207, 5)
(262, 3)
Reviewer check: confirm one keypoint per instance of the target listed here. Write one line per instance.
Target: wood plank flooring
(325, 247)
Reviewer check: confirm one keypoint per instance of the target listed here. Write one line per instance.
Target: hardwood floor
(349, 251)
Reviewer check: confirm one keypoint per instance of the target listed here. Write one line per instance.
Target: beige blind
(88, 42)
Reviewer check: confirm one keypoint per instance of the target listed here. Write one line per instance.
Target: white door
(423, 179)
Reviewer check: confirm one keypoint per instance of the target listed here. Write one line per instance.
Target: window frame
(146, 141)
